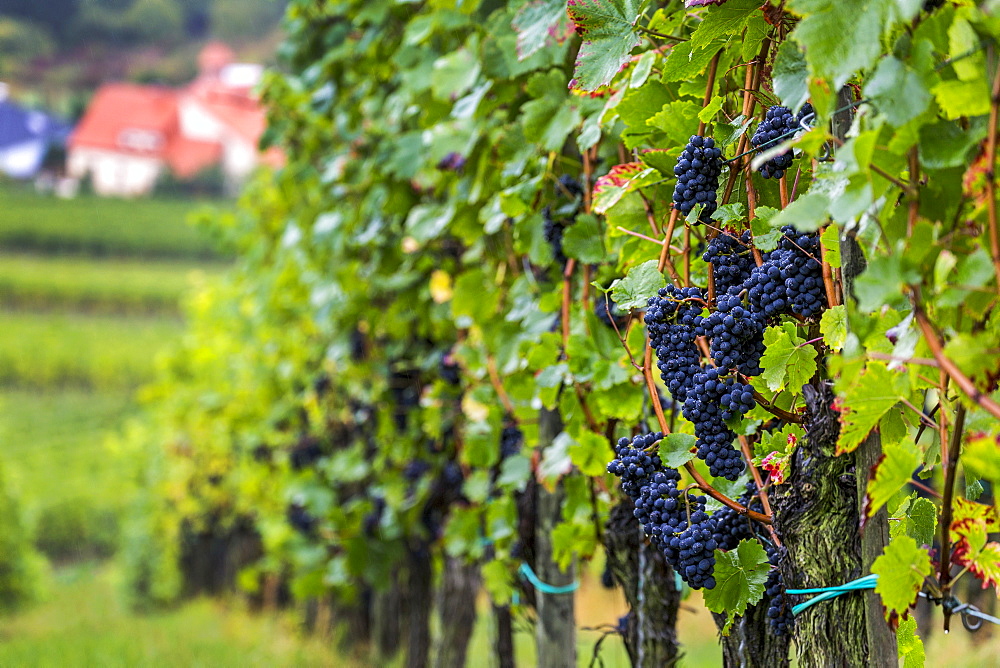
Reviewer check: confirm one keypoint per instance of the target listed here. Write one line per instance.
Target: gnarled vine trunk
(650, 588)
(457, 610)
(555, 633)
(816, 514)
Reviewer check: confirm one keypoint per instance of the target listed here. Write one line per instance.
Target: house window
(140, 140)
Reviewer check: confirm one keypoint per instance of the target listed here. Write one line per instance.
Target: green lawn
(85, 624)
(54, 445)
(57, 350)
(113, 285)
(96, 226)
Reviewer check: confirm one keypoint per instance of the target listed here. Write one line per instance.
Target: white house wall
(115, 174)
(198, 123)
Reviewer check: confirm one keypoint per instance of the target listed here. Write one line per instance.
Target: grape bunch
(737, 334)
(730, 526)
(697, 171)
(633, 464)
(511, 439)
(791, 278)
(779, 609)
(553, 232)
(676, 523)
(672, 320)
(779, 124)
(300, 518)
(731, 260)
(713, 399)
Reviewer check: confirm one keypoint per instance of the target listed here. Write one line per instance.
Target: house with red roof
(131, 135)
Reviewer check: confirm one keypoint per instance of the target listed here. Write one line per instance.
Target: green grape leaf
(922, 522)
(535, 25)
(608, 31)
(831, 245)
(675, 450)
(740, 576)
(498, 581)
(892, 473)
(981, 456)
(641, 283)
(788, 361)
(833, 327)
(584, 239)
(901, 570)
(864, 403)
(840, 37)
(909, 644)
(590, 453)
(790, 76)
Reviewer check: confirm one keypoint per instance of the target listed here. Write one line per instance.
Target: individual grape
(697, 171)
(779, 123)
(672, 320)
(731, 259)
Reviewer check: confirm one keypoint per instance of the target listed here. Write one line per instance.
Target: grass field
(57, 350)
(114, 285)
(98, 227)
(85, 624)
(54, 445)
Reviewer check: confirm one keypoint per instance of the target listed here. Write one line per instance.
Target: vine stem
(709, 87)
(491, 368)
(991, 186)
(654, 396)
(722, 498)
(771, 408)
(664, 260)
(914, 205)
(828, 284)
(950, 368)
(567, 298)
(951, 470)
(762, 493)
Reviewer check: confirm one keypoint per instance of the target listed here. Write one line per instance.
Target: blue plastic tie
(826, 593)
(543, 587)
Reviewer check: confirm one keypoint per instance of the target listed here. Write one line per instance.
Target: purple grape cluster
(791, 278)
(779, 609)
(697, 172)
(731, 259)
(779, 124)
(713, 399)
(736, 332)
(672, 320)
